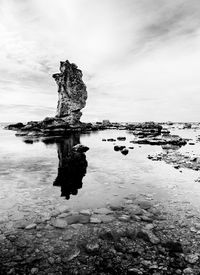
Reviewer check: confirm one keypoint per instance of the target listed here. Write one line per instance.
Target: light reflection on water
(28, 171)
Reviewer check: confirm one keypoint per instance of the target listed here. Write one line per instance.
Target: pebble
(104, 211)
(144, 204)
(31, 226)
(197, 226)
(134, 271)
(149, 226)
(34, 270)
(147, 235)
(134, 210)
(192, 258)
(116, 206)
(92, 247)
(63, 215)
(86, 212)
(146, 219)
(51, 260)
(94, 220)
(78, 218)
(188, 271)
(124, 218)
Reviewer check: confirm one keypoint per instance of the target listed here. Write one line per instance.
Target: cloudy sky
(140, 58)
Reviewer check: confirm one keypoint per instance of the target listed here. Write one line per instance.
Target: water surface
(34, 176)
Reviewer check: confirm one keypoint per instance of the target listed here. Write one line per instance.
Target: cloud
(138, 57)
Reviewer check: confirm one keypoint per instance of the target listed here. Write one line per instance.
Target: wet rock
(192, 258)
(92, 247)
(116, 206)
(119, 148)
(15, 126)
(72, 254)
(188, 271)
(134, 210)
(59, 223)
(51, 260)
(111, 139)
(134, 271)
(175, 247)
(86, 212)
(34, 270)
(149, 226)
(77, 218)
(121, 138)
(80, 148)
(63, 209)
(197, 226)
(146, 219)
(147, 235)
(104, 211)
(95, 220)
(28, 141)
(144, 204)
(124, 218)
(145, 129)
(31, 226)
(63, 215)
(105, 218)
(124, 151)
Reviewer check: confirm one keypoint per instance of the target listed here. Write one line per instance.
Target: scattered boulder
(121, 138)
(119, 148)
(111, 139)
(124, 151)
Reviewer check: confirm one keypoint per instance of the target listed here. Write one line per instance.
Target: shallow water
(28, 171)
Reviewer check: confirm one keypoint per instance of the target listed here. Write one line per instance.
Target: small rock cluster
(178, 160)
(172, 140)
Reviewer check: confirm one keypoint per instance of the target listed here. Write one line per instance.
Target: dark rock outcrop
(72, 95)
(72, 92)
(146, 129)
(15, 126)
(162, 140)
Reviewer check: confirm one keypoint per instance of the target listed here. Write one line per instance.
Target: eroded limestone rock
(72, 93)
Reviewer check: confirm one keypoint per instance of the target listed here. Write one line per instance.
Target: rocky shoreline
(135, 237)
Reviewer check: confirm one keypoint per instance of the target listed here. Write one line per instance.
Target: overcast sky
(140, 58)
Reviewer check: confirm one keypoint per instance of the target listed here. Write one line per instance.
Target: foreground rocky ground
(137, 236)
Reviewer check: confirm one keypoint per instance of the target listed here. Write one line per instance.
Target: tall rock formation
(72, 93)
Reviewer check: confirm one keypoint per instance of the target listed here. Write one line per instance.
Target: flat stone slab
(144, 204)
(59, 223)
(104, 211)
(77, 218)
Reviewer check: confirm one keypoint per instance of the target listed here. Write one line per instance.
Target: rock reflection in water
(72, 167)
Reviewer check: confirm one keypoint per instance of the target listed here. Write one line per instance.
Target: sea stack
(72, 93)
